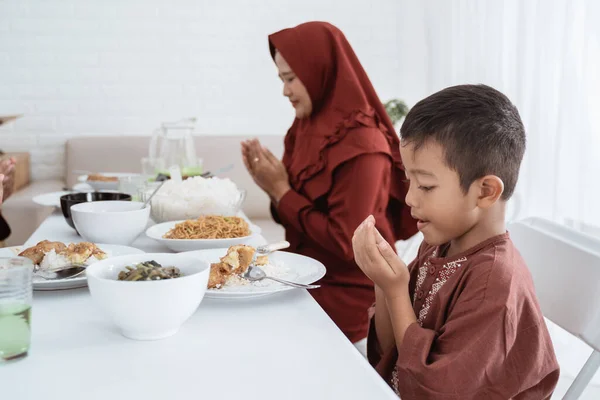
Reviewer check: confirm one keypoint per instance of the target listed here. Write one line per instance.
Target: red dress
(344, 164)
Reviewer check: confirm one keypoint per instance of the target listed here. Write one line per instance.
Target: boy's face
(443, 211)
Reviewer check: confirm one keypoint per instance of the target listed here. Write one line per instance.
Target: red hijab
(343, 99)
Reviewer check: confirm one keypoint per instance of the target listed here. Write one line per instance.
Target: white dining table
(281, 346)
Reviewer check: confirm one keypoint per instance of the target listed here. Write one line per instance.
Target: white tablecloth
(277, 347)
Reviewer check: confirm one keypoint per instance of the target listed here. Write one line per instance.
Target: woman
(341, 164)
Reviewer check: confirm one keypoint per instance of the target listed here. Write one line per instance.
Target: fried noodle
(210, 227)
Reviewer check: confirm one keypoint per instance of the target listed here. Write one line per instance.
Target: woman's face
(293, 88)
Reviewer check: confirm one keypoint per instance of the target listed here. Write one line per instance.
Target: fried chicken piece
(239, 258)
(98, 253)
(36, 253)
(80, 252)
(219, 272)
(236, 261)
(262, 260)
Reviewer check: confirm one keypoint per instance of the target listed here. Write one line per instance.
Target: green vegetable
(148, 271)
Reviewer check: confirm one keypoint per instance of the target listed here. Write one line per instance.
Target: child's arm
(380, 263)
(383, 324)
(401, 315)
(397, 298)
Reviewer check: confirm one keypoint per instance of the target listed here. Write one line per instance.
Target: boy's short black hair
(478, 127)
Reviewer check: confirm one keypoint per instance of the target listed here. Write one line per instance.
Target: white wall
(117, 67)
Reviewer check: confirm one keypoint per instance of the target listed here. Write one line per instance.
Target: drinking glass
(15, 307)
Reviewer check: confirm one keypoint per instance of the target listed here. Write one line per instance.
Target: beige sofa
(123, 154)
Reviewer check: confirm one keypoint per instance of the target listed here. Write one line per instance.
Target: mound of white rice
(194, 197)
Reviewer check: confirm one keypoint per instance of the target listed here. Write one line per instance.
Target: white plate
(157, 232)
(49, 199)
(99, 185)
(297, 268)
(53, 199)
(111, 250)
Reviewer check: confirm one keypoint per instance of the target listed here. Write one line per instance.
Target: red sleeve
(274, 214)
(355, 194)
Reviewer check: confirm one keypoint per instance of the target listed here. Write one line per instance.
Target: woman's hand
(378, 261)
(7, 169)
(267, 171)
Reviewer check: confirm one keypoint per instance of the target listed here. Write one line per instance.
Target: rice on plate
(194, 197)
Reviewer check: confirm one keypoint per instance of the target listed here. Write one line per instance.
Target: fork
(269, 248)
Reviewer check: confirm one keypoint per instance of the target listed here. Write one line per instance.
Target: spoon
(67, 272)
(254, 273)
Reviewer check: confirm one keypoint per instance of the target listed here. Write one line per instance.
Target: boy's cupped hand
(377, 259)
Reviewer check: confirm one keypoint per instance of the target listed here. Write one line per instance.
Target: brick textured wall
(117, 67)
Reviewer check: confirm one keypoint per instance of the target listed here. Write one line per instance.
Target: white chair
(408, 249)
(565, 265)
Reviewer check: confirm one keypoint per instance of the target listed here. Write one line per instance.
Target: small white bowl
(157, 232)
(111, 222)
(149, 310)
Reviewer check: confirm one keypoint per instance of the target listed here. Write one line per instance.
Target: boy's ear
(491, 188)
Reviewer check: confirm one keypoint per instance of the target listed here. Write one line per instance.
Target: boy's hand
(377, 259)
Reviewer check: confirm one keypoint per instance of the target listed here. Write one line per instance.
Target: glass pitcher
(173, 145)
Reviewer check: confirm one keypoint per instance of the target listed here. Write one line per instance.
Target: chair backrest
(565, 265)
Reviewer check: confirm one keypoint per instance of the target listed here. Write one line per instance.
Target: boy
(462, 321)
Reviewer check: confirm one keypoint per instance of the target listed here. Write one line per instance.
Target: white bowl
(149, 310)
(157, 232)
(111, 222)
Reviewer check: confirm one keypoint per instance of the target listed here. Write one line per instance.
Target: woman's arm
(360, 188)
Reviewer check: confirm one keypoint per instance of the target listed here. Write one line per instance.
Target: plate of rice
(48, 256)
(228, 266)
(204, 232)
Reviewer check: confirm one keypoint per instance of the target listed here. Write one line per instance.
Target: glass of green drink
(15, 307)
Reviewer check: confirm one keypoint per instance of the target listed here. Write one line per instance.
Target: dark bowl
(69, 200)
